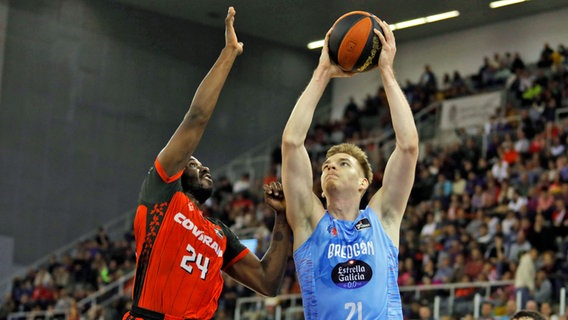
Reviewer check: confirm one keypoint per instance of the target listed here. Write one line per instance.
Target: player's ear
(363, 183)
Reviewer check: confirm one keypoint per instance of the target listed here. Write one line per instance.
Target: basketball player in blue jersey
(347, 258)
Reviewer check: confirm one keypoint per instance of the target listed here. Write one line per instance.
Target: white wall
(463, 51)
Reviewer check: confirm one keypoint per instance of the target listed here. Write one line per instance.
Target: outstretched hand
(334, 71)
(388, 51)
(274, 197)
(231, 40)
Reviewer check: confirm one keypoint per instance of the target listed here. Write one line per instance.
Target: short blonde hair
(355, 152)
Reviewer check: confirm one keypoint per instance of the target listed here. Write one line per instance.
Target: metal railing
(114, 228)
(109, 293)
(40, 315)
(102, 297)
(251, 307)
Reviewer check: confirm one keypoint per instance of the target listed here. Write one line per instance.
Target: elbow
(274, 289)
(197, 116)
(410, 147)
(290, 141)
(272, 293)
(269, 290)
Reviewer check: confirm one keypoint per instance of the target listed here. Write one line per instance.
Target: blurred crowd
(491, 206)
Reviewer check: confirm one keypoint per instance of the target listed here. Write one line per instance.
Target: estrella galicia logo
(352, 274)
(363, 224)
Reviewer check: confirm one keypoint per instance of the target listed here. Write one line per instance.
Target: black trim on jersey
(234, 246)
(152, 229)
(146, 314)
(156, 204)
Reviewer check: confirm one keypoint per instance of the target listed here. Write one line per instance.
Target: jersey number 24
(196, 259)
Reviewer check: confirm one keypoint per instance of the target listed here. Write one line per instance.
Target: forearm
(209, 90)
(300, 120)
(275, 259)
(401, 114)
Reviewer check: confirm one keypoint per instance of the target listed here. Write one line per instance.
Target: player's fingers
(381, 37)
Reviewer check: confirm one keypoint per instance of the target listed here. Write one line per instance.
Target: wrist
(231, 50)
(321, 74)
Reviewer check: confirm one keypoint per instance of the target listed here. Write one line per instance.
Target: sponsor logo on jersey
(352, 274)
(349, 251)
(199, 234)
(332, 230)
(363, 224)
(219, 232)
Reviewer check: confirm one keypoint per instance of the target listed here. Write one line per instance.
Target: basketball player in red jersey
(181, 253)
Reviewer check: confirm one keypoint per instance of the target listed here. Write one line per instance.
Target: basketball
(353, 45)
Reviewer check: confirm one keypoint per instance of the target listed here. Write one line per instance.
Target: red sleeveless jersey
(180, 253)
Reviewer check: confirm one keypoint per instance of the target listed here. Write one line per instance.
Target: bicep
(297, 181)
(247, 271)
(175, 155)
(398, 180)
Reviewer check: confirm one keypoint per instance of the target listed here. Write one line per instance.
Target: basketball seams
(350, 51)
(340, 29)
(369, 58)
(353, 44)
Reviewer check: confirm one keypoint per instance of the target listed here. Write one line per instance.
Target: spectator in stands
(194, 249)
(545, 60)
(422, 189)
(424, 313)
(428, 81)
(429, 227)
(527, 315)
(484, 238)
(516, 202)
(459, 183)
(500, 169)
(510, 310)
(559, 218)
(525, 276)
(545, 201)
(486, 312)
(541, 236)
(443, 271)
(346, 177)
(442, 189)
(474, 265)
(531, 305)
(546, 311)
(520, 245)
(543, 287)
(446, 87)
(8, 306)
(243, 185)
(518, 63)
(459, 268)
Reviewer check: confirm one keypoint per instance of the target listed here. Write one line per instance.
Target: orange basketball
(352, 44)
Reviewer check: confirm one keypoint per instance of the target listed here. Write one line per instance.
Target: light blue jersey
(349, 270)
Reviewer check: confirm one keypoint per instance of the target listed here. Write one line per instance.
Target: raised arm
(391, 200)
(303, 206)
(265, 276)
(185, 139)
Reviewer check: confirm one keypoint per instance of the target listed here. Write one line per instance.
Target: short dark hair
(527, 315)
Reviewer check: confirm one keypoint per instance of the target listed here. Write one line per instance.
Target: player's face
(341, 171)
(197, 180)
